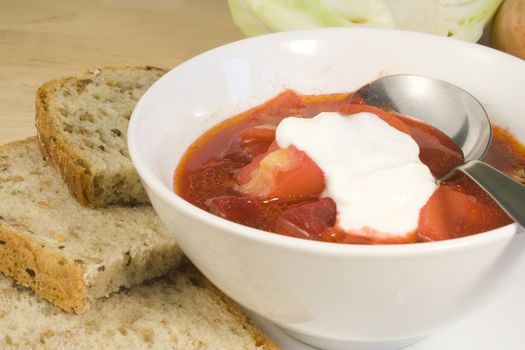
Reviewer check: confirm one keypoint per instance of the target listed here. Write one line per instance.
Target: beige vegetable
(508, 29)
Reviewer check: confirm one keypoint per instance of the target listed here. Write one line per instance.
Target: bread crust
(61, 282)
(73, 168)
(259, 337)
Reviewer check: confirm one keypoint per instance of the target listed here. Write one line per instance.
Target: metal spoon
(461, 117)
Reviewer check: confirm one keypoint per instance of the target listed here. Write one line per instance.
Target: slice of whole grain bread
(67, 253)
(82, 127)
(179, 311)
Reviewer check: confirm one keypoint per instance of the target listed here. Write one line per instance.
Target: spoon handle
(508, 193)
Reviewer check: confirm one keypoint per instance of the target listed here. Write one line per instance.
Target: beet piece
(243, 210)
(307, 220)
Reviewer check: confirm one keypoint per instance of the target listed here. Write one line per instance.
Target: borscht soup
(329, 168)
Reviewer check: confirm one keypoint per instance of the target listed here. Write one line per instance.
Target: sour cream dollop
(372, 170)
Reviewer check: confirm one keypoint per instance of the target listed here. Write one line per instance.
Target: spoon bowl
(461, 117)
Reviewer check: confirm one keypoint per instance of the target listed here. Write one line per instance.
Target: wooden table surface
(45, 39)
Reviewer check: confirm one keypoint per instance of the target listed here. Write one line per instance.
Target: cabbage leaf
(461, 19)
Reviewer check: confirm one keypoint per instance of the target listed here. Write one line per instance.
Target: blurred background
(42, 40)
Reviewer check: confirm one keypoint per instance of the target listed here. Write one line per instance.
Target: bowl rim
(154, 184)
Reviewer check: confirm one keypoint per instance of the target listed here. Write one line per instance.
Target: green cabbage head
(462, 19)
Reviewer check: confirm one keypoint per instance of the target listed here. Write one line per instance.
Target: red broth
(206, 176)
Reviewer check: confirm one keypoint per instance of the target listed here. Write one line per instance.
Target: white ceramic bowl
(328, 295)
